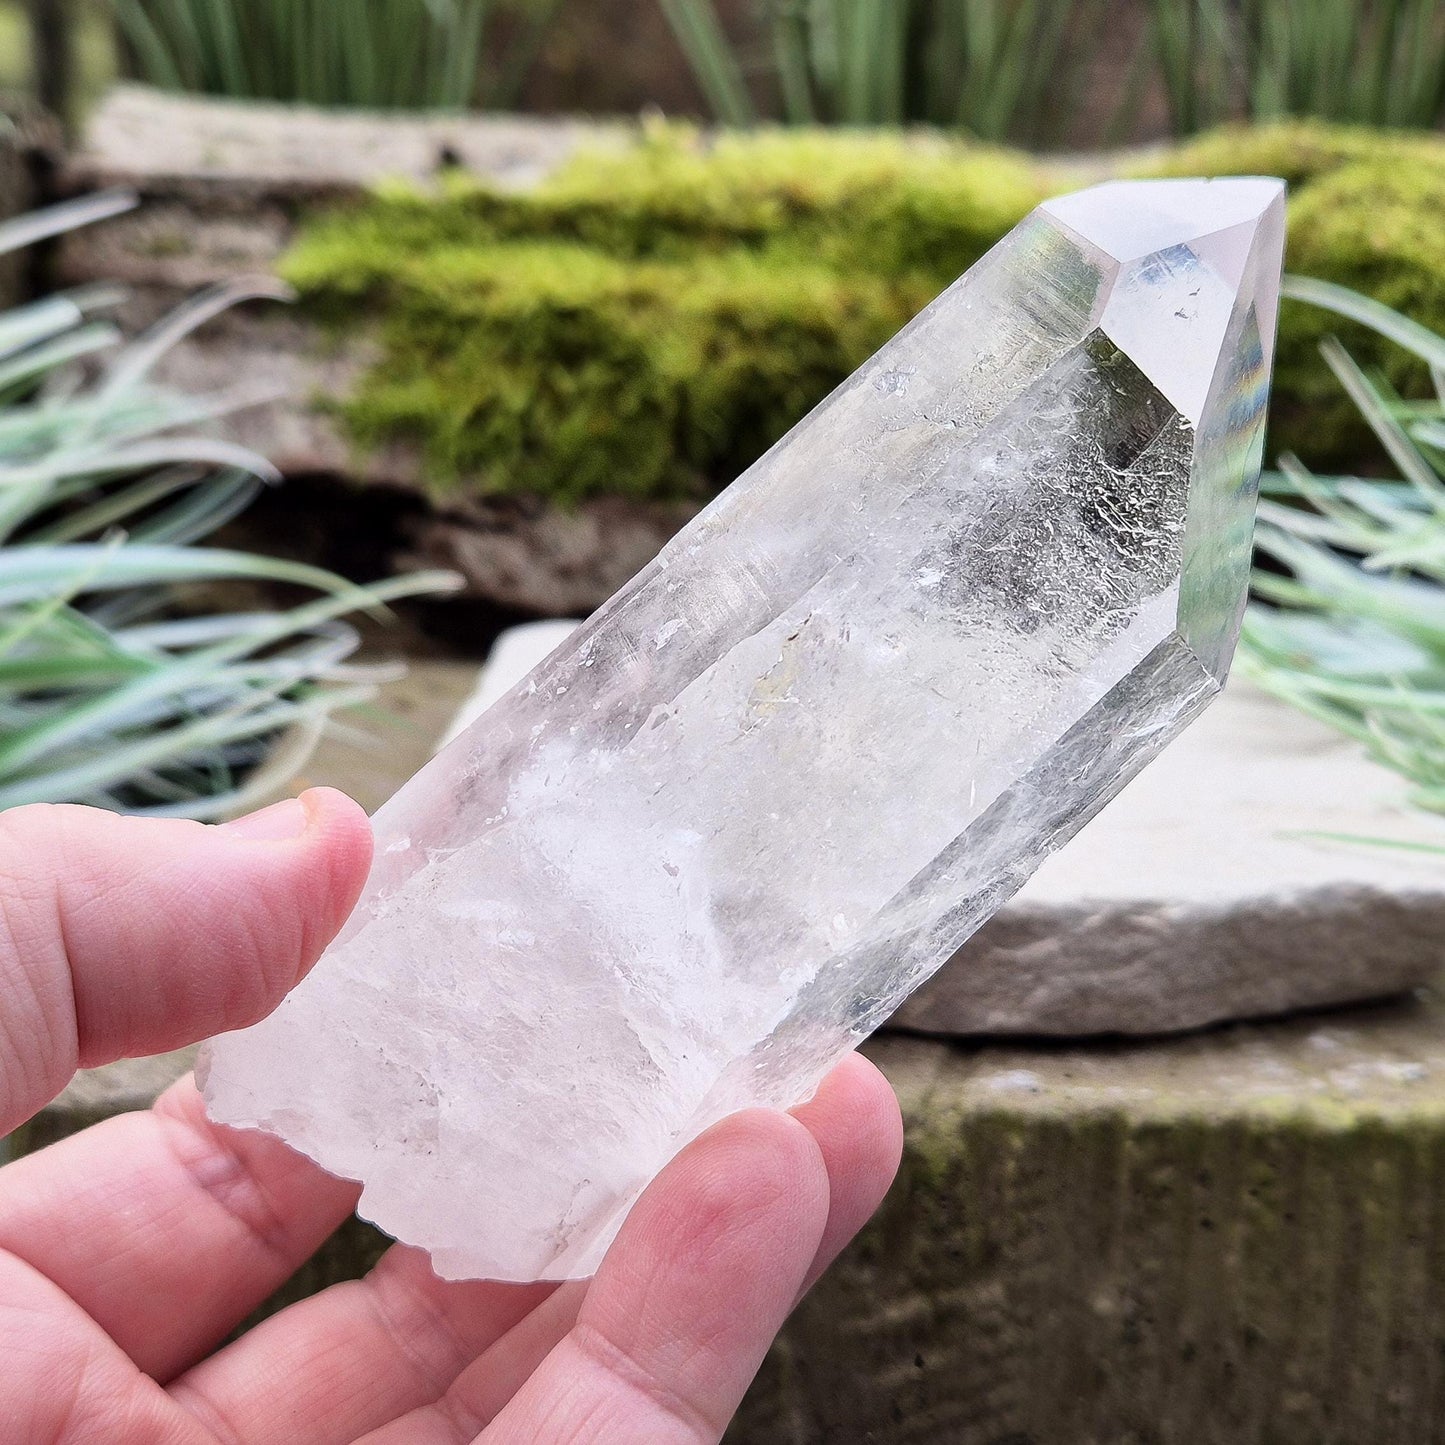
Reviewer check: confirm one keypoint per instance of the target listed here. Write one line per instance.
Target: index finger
(129, 936)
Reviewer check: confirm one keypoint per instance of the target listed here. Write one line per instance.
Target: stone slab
(1206, 892)
(1202, 893)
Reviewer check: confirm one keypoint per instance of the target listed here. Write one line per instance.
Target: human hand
(129, 1251)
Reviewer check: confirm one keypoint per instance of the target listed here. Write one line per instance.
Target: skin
(128, 1252)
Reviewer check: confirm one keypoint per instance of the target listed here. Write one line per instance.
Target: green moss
(547, 367)
(649, 321)
(909, 207)
(652, 318)
(1374, 226)
(904, 206)
(1300, 152)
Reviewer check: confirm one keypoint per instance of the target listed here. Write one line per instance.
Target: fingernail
(279, 823)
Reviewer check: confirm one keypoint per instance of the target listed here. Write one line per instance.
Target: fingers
(481, 1391)
(166, 1229)
(689, 1298)
(714, 1252)
(855, 1120)
(63, 1383)
(353, 1357)
(424, 1362)
(124, 936)
(854, 1116)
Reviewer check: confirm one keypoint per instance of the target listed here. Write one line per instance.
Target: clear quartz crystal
(779, 778)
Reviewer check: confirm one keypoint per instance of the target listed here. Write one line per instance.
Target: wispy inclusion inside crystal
(781, 776)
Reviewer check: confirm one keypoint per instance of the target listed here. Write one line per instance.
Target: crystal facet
(775, 782)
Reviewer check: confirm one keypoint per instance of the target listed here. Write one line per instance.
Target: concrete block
(1230, 1239)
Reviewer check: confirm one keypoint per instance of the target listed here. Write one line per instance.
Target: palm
(130, 1251)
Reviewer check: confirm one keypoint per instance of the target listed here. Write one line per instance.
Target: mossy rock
(553, 368)
(881, 202)
(1299, 152)
(649, 320)
(1374, 226)
(646, 323)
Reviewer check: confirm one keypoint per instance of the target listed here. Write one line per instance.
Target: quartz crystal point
(778, 779)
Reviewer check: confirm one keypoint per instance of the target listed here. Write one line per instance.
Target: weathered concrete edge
(227, 150)
(1383, 1061)
(1098, 1273)
(1064, 970)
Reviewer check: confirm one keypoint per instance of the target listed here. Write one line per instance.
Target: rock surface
(1200, 894)
(152, 140)
(531, 556)
(1232, 1239)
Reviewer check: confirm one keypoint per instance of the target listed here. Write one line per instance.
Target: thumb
(127, 936)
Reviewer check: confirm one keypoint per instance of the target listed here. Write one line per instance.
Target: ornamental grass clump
(1372, 62)
(1018, 69)
(111, 691)
(416, 54)
(999, 69)
(1352, 624)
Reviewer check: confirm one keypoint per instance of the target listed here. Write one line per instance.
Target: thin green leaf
(1378, 317)
(140, 358)
(1381, 419)
(121, 763)
(27, 230)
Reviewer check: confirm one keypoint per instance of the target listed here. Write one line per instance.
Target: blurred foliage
(113, 691)
(1375, 62)
(93, 60)
(428, 54)
(1299, 152)
(653, 317)
(1016, 70)
(1352, 629)
(1012, 69)
(1000, 69)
